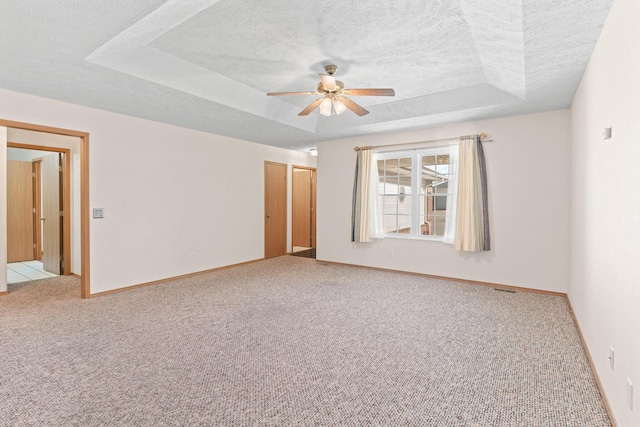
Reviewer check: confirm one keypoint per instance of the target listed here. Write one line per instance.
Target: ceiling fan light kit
(339, 106)
(325, 107)
(333, 100)
(332, 105)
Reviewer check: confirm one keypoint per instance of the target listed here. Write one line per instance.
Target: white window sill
(410, 237)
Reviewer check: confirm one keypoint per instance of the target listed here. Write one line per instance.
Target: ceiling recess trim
(129, 53)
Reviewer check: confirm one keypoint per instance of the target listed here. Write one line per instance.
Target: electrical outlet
(391, 253)
(98, 212)
(611, 358)
(192, 256)
(630, 394)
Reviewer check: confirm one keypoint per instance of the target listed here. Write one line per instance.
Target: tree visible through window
(412, 191)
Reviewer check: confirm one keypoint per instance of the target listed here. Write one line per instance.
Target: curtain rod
(482, 136)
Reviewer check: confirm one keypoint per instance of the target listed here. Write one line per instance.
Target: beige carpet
(291, 342)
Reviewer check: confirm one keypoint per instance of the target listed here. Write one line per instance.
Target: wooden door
(19, 211)
(51, 229)
(275, 209)
(301, 208)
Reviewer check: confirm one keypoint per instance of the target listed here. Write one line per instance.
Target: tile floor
(25, 271)
(299, 248)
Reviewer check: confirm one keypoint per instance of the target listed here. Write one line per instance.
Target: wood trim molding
(309, 168)
(4, 293)
(41, 128)
(451, 279)
(85, 280)
(85, 259)
(170, 279)
(607, 406)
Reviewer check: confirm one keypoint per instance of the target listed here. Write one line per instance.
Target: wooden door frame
(37, 204)
(85, 278)
(66, 199)
(313, 200)
(264, 213)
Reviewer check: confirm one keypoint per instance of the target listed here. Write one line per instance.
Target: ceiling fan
(334, 100)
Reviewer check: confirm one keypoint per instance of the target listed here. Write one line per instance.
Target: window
(413, 190)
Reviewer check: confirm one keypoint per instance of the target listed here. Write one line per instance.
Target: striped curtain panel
(472, 216)
(364, 216)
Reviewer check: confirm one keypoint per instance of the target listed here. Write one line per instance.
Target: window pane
(404, 205)
(404, 224)
(404, 174)
(440, 204)
(426, 228)
(390, 223)
(435, 172)
(428, 172)
(395, 194)
(405, 162)
(404, 214)
(442, 164)
(438, 222)
(390, 205)
(428, 205)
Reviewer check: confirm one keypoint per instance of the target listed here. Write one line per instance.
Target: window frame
(417, 196)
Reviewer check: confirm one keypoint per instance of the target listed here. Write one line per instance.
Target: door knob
(268, 216)
(41, 219)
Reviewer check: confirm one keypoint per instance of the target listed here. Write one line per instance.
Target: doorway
(275, 209)
(81, 185)
(38, 212)
(303, 217)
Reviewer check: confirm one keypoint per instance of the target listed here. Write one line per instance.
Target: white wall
(167, 192)
(528, 176)
(605, 217)
(59, 141)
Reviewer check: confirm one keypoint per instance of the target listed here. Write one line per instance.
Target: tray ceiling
(207, 64)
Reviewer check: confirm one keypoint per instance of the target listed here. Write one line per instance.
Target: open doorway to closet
(303, 216)
(38, 211)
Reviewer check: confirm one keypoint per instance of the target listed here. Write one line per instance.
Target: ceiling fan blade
(328, 82)
(311, 107)
(353, 106)
(291, 93)
(369, 92)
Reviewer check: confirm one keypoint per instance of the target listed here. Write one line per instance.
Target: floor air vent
(505, 290)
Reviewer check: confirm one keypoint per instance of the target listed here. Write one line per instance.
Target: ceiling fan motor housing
(330, 69)
(339, 87)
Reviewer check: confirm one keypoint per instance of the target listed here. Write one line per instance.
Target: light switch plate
(98, 212)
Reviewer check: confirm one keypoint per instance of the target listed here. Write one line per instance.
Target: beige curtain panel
(472, 219)
(363, 220)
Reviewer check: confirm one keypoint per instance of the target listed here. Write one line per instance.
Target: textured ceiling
(207, 64)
